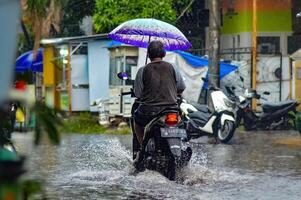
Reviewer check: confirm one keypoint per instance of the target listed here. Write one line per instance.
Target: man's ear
(163, 54)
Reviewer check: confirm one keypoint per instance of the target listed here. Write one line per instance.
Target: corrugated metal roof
(53, 41)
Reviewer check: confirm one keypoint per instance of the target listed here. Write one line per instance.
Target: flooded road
(254, 166)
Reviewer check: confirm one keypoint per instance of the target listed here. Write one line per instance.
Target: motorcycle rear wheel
(171, 171)
(226, 131)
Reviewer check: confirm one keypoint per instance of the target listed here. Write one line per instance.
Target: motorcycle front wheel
(226, 131)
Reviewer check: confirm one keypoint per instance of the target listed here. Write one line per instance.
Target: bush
(82, 123)
(86, 123)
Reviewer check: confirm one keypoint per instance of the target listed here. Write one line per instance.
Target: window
(268, 45)
(293, 43)
(117, 65)
(299, 74)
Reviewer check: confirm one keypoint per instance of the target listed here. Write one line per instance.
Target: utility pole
(214, 57)
(254, 52)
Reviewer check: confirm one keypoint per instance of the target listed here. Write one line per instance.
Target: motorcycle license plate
(173, 132)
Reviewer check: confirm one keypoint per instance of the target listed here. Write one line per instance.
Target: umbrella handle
(146, 57)
(147, 50)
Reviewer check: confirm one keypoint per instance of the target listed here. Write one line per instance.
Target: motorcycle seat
(272, 107)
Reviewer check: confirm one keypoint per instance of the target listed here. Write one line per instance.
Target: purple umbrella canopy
(139, 32)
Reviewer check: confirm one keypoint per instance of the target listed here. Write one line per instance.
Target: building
(274, 28)
(75, 71)
(274, 25)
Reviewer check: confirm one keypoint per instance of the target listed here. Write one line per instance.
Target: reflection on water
(254, 166)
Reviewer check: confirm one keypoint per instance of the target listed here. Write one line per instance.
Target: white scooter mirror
(249, 93)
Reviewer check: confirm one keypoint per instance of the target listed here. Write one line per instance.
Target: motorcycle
(165, 147)
(7, 123)
(216, 120)
(273, 116)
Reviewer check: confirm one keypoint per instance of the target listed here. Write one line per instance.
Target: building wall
(273, 19)
(50, 77)
(99, 67)
(272, 16)
(244, 40)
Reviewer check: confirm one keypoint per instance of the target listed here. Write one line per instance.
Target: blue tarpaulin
(196, 61)
(26, 62)
(114, 43)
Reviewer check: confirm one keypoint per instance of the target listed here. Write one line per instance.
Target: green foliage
(33, 188)
(85, 123)
(82, 123)
(180, 5)
(38, 6)
(110, 13)
(22, 45)
(74, 12)
(46, 121)
(119, 131)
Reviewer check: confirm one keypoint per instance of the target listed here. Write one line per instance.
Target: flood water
(254, 166)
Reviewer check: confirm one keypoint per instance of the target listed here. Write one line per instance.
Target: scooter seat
(272, 107)
(199, 118)
(201, 107)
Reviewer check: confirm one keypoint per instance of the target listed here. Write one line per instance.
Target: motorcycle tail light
(171, 119)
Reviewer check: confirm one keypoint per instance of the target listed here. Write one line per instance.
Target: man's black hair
(155, 49)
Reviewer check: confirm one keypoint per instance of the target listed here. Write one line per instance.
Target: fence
(273, 70)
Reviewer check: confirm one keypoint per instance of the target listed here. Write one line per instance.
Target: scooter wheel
(226, 131)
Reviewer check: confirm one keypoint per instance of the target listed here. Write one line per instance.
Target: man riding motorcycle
(156, 86)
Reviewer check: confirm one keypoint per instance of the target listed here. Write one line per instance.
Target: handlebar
(126, 93)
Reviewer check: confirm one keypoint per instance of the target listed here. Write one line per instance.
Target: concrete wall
(266, 78)
(242, 40)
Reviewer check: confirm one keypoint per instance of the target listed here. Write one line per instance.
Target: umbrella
(26, 62)
(139, 32)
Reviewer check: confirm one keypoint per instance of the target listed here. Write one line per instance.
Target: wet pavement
(261, 165)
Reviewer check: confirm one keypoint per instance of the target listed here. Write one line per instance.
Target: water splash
(98, 167)
(198, 172)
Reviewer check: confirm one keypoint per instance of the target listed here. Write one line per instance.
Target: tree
(74, 12)
(110, 13)
(42, 16)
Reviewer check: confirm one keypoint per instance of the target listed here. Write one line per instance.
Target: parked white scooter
(217, 121)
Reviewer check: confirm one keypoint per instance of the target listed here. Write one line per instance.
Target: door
(80, 83)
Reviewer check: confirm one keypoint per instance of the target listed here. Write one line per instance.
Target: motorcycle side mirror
(123, 76)
(266, 93)
(257, 96)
